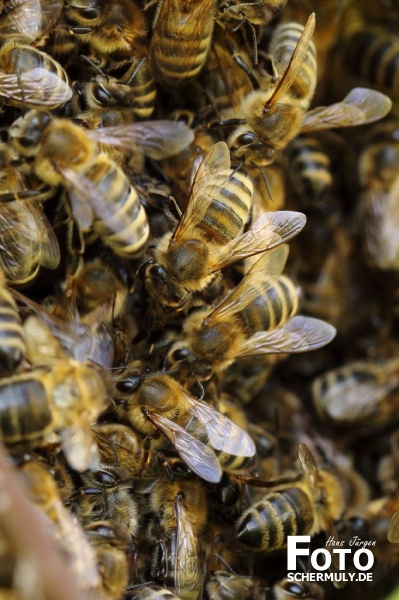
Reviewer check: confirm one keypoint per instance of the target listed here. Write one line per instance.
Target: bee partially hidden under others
(305, 507)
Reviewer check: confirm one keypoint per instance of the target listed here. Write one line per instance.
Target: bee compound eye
(156, 271)
(105, 478)
(295, 589)
(180, 354)
(90, 14)
(246, 138)
(101, 95)
(128, 385)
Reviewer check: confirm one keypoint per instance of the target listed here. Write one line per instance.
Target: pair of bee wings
(188, 556)
(223, 434)
(381, 223)
(29, 19)
(85, 339)
(358, 397)
(156, 139)
(360, 107)
(26, 232)
(270, 230)
(299, 334)
(36, 87)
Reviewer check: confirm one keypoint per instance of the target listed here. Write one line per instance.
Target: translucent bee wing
(83, 339)
(307, 459)
(352, 400)
(296, 60)
(223, 434)
(78, 443)
(156, 139)
(188, 564)
(261, 274)
(50, 255)
(381, 226)
(359, 107)
(29, 18)
(81, 192)
(270, 230)
(299, 334)
(211, 176)
(393, 528)
(201, 459)
(36, 87)
(19, 239)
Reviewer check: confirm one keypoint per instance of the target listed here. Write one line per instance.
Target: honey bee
(115, 32)
(111, 547)
(181, 506)
(158, 402)
(370, 54)
(378, 169)
(311, 168)
(224, 586)
(44, 493)
(111, 99)
(307, 507)
(12, 344)
(269, 118)
(31, 78)
(28, 20)
(99, 191)
(227, 75)
(361, 395)
(255, 318)
(331, 16)
(257, 12)
(65, 397)
(272, 115)
(104, 496)
(182, 167)
(209, 234)
(122, 449)
(49, 338)
(96, 283)
(180, 41)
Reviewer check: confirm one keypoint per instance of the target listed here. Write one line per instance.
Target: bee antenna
(241, 62)
(92, 63)
(139, 585)
(254, 39)
(237, 168)
(136, 70)
(225, 564)
(265, 181)
(201, 388)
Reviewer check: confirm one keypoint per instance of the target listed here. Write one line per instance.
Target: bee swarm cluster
(173, 405)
